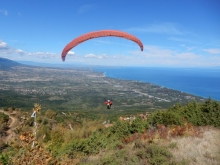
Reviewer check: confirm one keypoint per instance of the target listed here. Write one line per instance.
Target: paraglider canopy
(96, 34)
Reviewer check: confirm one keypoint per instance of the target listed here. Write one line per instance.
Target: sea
(204, 82)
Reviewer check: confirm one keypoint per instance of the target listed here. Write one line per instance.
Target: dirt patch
(13, 122)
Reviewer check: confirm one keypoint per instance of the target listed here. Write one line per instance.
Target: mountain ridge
(6, 64)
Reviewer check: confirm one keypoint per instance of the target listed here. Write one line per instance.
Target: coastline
(196, 81)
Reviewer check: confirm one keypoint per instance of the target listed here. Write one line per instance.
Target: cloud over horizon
(151, 56)
(212, 51)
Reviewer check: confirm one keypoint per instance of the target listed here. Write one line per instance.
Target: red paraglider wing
(96, 34)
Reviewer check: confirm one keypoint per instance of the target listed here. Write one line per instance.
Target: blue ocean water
(204, 82)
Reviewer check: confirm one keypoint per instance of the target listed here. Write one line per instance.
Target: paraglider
(97, 34)
(108, 103)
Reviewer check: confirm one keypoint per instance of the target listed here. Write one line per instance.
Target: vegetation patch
(183, 134)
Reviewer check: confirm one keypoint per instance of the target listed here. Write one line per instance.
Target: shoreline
(195, 93)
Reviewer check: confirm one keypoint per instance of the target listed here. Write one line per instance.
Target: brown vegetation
(69, 138)
(202, 150)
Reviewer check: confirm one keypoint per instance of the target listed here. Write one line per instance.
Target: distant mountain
(40, 64)
(55, 65)
(6, 64)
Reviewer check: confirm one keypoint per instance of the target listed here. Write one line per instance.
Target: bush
(166, 118)
(139, 125)
(75, 148)
(211, 113)
(192, 113)
(155, 154)
(94, 143)
(121, 129)
(50, 114)
(30, 122)
(57, 137)
(206, 113)
(3, 118)
(4, 159)
(44, 132)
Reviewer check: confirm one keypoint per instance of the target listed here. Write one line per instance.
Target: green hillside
(75, 138)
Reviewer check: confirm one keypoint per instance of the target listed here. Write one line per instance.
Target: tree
(50, 114)
(138, 125)
(3, 118)
(166, 118)
(211, 113)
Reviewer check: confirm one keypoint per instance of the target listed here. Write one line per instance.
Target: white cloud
(156, 56)
(188, 48)
(151, 56)
(212, 51)
(184, 40)
(90, 56)
(103, 56)
(188, 56)
(5, 12)
(153, 51)
(4, 48)
(96, 56)
(161, 28)
(3, 44)
(45, 55)
(85, 8)
(20, 52)
(71, 53)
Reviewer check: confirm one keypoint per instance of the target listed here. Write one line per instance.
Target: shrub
(192, 113)
(4, 159)
(50, 114)
(211, 113)
(155, 154)
(30, 122)
(206, 113)
(121, 129)
(75, 148)
(44, 133)
(3, 118)
(57, 136)
(166, 118)
(138, 125)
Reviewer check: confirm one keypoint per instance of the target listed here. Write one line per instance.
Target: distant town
(78, 89)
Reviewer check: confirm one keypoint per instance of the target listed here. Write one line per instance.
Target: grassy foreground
(183, 134)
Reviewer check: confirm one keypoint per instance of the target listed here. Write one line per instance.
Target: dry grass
(83, 131)
(204, 150)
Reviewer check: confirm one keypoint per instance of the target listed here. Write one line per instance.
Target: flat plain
(82, 89)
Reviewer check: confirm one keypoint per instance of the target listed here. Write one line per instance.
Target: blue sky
(175, 33)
